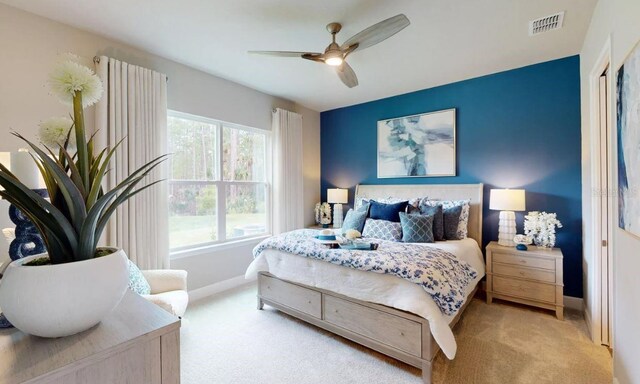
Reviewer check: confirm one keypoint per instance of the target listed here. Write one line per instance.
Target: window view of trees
(204, 170)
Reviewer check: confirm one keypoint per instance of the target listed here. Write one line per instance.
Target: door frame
(600, 271)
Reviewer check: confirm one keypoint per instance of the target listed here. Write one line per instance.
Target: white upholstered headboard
(472, 192)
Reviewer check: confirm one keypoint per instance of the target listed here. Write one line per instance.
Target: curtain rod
(96, 60)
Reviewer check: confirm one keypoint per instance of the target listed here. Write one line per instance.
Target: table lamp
(507, 201)
(337, 197)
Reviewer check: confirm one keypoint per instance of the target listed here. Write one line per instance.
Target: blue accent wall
(515, 129)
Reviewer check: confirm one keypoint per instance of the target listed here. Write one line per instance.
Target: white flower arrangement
(323, 213)
(54, 132)
(69, 78)
(541, 227)
(352, 234)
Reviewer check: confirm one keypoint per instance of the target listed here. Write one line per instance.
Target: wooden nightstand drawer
(524, 289)
(524, 272)
(524, 261)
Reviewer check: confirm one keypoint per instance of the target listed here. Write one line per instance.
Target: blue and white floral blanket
(443, 276)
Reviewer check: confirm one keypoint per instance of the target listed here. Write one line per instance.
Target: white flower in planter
(70, 77)
(53, 132)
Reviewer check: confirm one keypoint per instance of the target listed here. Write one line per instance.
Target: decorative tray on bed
(360, 246)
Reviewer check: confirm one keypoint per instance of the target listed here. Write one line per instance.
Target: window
(218, 188)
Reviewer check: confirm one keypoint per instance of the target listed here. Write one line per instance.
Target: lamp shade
(507, 200)
(337, 196)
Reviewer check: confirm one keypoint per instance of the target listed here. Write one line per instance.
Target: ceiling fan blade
(347, 75)
(378, 32)
(282, 53)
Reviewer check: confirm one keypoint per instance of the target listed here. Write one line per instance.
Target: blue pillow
(438, 220)
(364, 207)
(416, 228)
(388, 212)
(355, 220)
(137, 282)
(451, 220)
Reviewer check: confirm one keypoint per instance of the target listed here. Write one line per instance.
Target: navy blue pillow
(388, 212)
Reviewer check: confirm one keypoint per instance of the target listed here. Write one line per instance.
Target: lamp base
(507, 228)
(337, 215)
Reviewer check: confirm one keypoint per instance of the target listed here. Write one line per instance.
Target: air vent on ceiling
(545, 24)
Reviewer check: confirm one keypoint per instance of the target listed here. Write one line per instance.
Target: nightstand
(532, 277)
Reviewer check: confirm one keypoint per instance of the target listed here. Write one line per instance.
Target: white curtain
(134, 107)
(288, 208)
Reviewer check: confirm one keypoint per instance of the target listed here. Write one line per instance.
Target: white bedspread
(377, 288)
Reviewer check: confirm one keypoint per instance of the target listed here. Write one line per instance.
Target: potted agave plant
(75, 284)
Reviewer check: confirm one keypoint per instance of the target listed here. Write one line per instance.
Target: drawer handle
(268, 287)
(309, 302)
(401, 333)
(522, 273)
(523, 261)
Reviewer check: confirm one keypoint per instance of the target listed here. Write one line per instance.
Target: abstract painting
(418, 146)
(628, 127)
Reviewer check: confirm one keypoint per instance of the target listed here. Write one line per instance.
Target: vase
(63, 299)
(325, 225)
(542, 242)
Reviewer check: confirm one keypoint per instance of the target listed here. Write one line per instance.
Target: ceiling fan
(335, 54)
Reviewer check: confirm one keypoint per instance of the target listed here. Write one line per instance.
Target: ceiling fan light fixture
(334, 61)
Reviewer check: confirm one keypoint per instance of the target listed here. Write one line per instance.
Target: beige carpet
(226, 340)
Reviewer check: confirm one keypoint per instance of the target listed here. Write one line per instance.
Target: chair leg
(260, 303)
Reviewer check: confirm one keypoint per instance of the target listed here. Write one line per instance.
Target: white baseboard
(574, 303)
(225, 285)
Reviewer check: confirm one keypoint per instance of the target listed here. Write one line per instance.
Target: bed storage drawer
(524, 272)
(394, 331)
(524, 261)
(291, 295)
(524, 289)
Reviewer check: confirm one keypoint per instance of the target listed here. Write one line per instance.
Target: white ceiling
(447, 41)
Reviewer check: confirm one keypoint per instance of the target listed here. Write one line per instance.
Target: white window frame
(220, 184)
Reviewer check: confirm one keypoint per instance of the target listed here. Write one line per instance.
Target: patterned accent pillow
(137, 282)
(355, 220)
(438, 220)
(464, 215)
(382, 229)
(416, 228)
(451, 219)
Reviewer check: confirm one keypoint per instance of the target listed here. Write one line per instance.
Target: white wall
(617, 20)
(29, 46)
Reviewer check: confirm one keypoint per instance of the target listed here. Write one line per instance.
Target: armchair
(168, 289)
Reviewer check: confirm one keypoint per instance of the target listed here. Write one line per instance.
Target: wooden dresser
(138, 343)
(532, 277)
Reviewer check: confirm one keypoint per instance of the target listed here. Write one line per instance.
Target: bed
(383, 312)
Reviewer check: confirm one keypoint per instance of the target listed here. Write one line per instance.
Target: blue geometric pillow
(355, 220)
(416, 228)
(382, 229)
(438, 220)
(137, 282)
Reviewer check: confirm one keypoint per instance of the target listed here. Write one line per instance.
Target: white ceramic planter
(63, 299)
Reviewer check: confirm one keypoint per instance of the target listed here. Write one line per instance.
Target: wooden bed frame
(395, 333)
